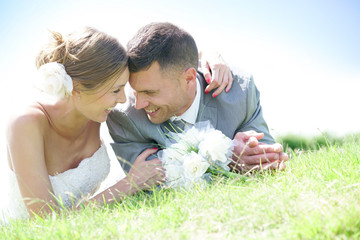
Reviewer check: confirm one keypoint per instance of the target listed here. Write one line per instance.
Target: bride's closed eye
(117, 90)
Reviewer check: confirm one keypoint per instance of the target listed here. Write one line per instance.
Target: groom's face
(161, 95)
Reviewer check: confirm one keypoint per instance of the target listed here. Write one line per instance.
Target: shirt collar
(190, 114)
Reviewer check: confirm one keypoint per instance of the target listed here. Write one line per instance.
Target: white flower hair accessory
(54, 80)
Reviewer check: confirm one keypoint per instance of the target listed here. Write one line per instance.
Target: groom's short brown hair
(172, 47)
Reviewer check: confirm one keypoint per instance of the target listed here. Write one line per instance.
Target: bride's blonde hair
(89, 56)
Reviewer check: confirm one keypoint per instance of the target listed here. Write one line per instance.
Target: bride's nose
(121, 97)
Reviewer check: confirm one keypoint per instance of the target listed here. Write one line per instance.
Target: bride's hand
(146, 174)
(217, 74)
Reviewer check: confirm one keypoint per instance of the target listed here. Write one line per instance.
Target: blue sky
(304, 55)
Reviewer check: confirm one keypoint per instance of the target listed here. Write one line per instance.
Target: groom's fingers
(276, 147)
(243, 168)
(245, 136)
(270, 166)
(262, 149)
(258, 159)
(265, 166)
(253, 142)
(283, 157)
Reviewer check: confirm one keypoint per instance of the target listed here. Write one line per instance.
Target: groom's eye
(151, 92)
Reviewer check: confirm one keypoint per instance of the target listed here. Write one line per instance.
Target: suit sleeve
(254, 117)
(128, 142)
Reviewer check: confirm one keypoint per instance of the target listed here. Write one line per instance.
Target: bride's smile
(96, 105)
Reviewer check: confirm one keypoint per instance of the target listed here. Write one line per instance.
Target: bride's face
(97, 106)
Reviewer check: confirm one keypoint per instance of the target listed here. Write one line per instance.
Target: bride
(55, 153)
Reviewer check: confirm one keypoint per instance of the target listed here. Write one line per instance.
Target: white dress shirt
(189, 116)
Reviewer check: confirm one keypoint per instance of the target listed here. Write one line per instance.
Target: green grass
(317, 197)
(295, 141)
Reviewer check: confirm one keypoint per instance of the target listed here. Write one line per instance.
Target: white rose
(216, 146)
(54, 80)
(175, 152)
(174, 175)
(194, 165)
(192, 137)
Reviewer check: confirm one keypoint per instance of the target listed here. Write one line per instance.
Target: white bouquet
(196, 153)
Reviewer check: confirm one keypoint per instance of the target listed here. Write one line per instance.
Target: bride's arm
(26, 151)
(216, 73)
(142, 175)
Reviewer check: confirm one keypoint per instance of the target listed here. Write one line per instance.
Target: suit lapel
(207, 110)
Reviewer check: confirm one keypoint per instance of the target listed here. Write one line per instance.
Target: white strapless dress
(69, 186)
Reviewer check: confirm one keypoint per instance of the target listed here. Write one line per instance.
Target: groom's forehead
(151, 78)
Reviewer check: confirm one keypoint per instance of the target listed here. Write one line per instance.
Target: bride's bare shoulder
(31, 115)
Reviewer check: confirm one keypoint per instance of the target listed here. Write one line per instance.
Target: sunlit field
(316, 197)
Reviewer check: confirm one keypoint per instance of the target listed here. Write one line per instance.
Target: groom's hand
(249, 154)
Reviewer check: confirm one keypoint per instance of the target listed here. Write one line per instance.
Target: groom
(166, 87)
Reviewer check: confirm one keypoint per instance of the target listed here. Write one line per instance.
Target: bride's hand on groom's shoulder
(146, 174)
(216, 72)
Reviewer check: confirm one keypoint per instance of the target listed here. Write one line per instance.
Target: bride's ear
(75, 92)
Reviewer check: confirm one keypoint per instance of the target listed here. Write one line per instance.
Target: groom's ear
(190, 75)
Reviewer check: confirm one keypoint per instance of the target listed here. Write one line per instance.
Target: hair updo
(89, 56)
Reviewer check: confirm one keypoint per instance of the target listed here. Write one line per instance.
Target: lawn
(316, 197)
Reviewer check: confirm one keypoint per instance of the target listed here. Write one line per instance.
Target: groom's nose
(140, 101)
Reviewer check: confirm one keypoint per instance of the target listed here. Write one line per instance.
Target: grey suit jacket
(238, 110)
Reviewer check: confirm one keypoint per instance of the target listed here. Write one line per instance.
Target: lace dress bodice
(83, 180)
(69, 186)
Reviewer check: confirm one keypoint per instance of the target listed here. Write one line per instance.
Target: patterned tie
(179, 125)
(170, 127)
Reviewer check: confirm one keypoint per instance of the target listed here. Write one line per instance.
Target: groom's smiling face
(161, 95)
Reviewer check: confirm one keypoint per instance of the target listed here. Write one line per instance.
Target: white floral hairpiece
(54, 80)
